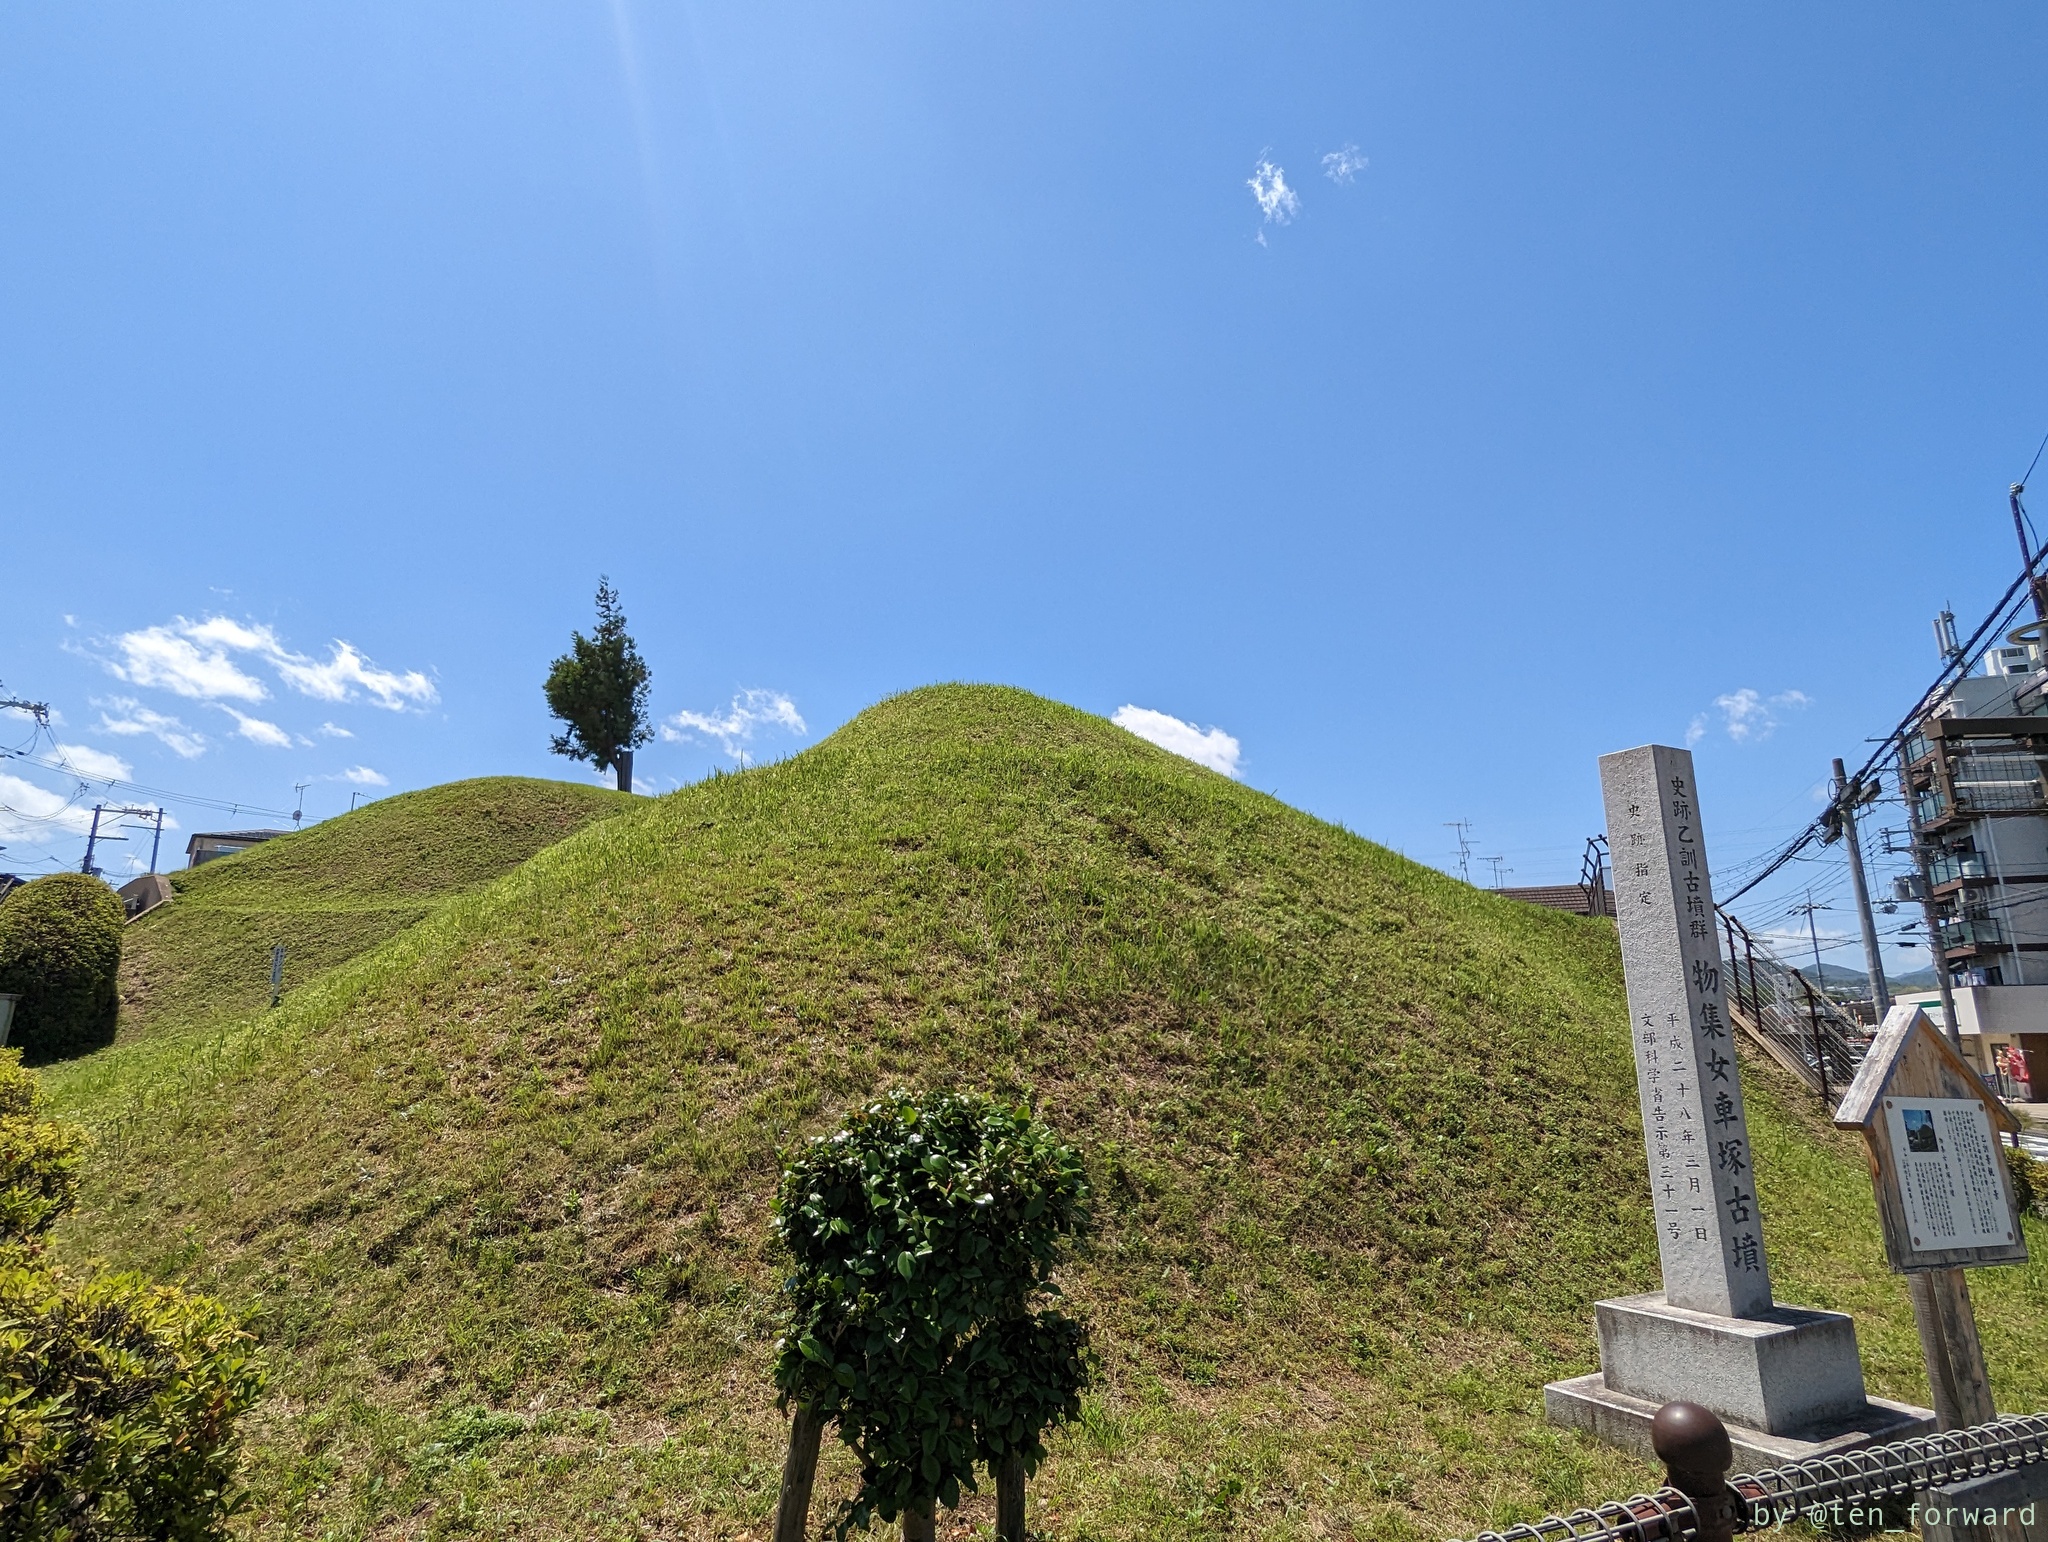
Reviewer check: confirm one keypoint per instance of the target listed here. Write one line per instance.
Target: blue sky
(1642, 359)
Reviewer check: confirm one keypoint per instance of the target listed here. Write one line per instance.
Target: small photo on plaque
(1920, 1134)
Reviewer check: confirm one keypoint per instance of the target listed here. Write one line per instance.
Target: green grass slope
(333, 891)
(1364, 1140)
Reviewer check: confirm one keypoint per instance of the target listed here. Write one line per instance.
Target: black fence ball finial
(1694, 1448)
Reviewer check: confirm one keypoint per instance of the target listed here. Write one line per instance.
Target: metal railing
(1971, 932)
(1817, 1490)
(1891, 1472)
(1799, 1025)
(1950, 866)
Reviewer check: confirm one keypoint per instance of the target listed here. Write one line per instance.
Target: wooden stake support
(1944, 1196)
(799, 1472)
(1010, 1498)
(918, 1522)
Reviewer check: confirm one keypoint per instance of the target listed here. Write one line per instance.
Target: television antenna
(1464, 829)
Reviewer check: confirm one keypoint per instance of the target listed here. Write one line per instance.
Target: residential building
(205, 847)
(1578, 898)
(1972, 770)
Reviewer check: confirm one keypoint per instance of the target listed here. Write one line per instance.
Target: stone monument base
(1787, 1383)
(1587, 1404)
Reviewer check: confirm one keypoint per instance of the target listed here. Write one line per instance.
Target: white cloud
(1278, 203)
(334, 731)
(1210, 747)
(36, 815)
(734, 729)
(256, 730)
(1696, 730)
(193, 659)
(126, 716)
(161, 656)
(98, 765)
(1345, 164)
(347, 670)
(1749, 716)
(363, 776)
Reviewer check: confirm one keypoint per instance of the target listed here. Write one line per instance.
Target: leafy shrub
(60, 950)
(2027, 1184)
(39, 1161)
(118, 1397)
(118, 1401)
(922, 1232)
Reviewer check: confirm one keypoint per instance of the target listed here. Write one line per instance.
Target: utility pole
(1820, 973)
(2036, 586)
(1951, 1025)
(39, 710)
(119, 811)
(1847, 796)
(92, 839)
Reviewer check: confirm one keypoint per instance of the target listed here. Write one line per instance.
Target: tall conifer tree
(599, 689)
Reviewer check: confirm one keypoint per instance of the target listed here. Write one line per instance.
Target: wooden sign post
(1943, 1193)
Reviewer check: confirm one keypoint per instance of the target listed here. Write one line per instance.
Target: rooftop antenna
(299, 811)
(1464, 828)
(1945, 634)
(1498, 870)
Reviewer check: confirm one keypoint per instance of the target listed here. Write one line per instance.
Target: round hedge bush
(60, 950)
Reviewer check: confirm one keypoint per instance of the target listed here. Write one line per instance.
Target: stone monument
(1786, 1380)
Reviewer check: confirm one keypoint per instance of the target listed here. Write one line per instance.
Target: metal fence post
(1694, 1448)
(1728, 926)
(1755, 1000)
(1820, 1051)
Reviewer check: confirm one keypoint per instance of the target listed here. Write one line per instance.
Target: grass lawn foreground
(492, 1182)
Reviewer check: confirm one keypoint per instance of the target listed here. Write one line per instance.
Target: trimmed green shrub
(2026, 1178)
(39, 1160)
(60, 950)
(923, 1232)
(118, 1402)
(118, 1397)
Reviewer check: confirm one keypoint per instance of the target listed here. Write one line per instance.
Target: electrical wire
(1957, 666)
(193, 799)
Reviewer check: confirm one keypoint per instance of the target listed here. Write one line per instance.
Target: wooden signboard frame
(1911, 1060)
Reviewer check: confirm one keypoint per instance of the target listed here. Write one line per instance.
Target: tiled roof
(1556, 896)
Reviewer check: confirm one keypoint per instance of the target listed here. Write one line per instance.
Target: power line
(2035, 461)
(1953, 669)
(155, 792)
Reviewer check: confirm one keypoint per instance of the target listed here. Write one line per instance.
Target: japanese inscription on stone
(1709, 1229)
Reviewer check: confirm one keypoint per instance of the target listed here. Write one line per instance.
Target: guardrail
(1700, 1502)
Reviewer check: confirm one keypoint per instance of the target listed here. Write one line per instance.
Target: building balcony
(1955, 867)
(1969, 936)
(1975, 799)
